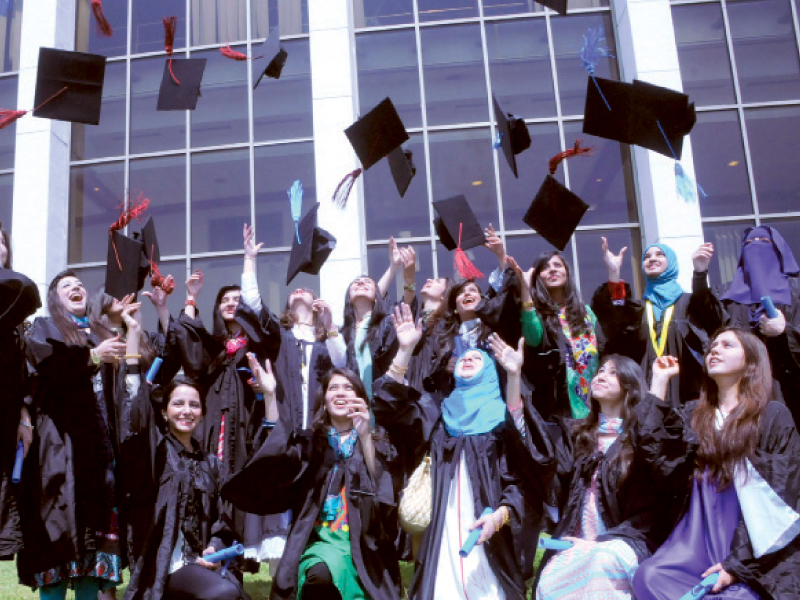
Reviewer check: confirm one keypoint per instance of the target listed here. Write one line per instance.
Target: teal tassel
(687, 188)
(295, 194)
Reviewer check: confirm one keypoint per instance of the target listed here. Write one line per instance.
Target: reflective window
(176, 268)
(592, 266)
(790, 230)
(377, 13)
(10, 33)
(483, 259)
(272, 268)
(218, 272)
(290, 15)
(93, 279)
(511, 7)
(153, 130)
(8, 139)
(7, 201)
(96, 194)
(526, 249)
(218, 21)
(87, 34)
(378, 261)
(727, 240)
(147, 28)
(441, 10)
(107, 138)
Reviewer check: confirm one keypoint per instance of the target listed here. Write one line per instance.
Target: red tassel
(576, 150)
(7, 117)
(102, 23)
(170, 25)
(342, 192)
(229, 52)
(158, 280)
(134, 211)
(464, 265)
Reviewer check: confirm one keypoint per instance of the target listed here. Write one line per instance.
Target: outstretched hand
(494, 243)
(194, 284)
(263, 381)
(158, 297)
(250, 247)
(613, 261)
(701, 257)
(132, 317)
(509, 358)
(408, 333)
(359, 413)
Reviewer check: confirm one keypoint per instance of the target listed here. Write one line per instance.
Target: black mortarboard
(189, 72)
(514, 135)
(150, 242)
(81, 74)
(555, 212)
(315, 246)
(19, 298)
(377, 133)
(125, 270)
(452, 214)
(274, 55)
(560, 6)
(608, 109)
(402, 167)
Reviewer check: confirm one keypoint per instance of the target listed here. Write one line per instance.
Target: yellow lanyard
(659, 345)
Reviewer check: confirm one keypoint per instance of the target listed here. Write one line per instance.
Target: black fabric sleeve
(621, 322)
(500, 310)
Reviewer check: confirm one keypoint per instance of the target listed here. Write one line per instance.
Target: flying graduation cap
(560, 6)
(273, 57)
(513, 134)
(458, 229)
(313, 248)
(402, 168)
(180, 83)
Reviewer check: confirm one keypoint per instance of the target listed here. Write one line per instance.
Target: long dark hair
(322, 419)
(378, 314)
(288, 320)
(101, 326)
(180, 380)
(547, 309)
(632, 386)
(220, 329)
(451, 321)
(722, 450)
(437, 315)
(63, 321)
(7, 242)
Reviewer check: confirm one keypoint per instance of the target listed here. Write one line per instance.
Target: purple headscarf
(763, 269)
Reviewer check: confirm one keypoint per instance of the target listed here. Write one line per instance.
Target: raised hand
(524, 280)
(408, 333)
(323, 309)
(194, 284)
(509, 358)
(263, 381)
(666, 366)
(494, 244)
(702, 257)
(132, 317)
(250, 247)
(158, 297)
(613, 261)
(359, 413)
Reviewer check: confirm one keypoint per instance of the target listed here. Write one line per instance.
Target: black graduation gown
(695, 319)
(293, 470)
(66, 493)
(784, 349)
(382, 347)
(494, 461)
(19, 298)
(160, 480)
(637, 509)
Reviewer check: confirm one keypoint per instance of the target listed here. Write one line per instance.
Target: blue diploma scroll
(225, 554)
(153, 371)
(473, 537)
(16, 474)
(702, 588)
(554, 544)
(766, 302)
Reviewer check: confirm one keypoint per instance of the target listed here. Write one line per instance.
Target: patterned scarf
(82, 322)
(233, 344)
(342, 450)
(364, 354)
(583, 359)
(609, 425)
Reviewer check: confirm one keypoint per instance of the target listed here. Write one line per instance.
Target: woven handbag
(416, 501)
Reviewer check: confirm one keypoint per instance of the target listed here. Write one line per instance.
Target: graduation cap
(180, 83)
(315, 245)
(458, 229)
(69, 86)
(273, 53)
(125, 272)
(19, 298)
(560, 6)
(402, 167)
(513, 134)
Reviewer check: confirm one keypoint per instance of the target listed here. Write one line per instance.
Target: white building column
(648, 52)
(335, 106)
(41, 163)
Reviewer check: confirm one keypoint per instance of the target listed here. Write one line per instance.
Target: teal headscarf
(663, 291)
(475, 406)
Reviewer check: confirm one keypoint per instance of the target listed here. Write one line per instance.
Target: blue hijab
(663, 291)
(475, 406)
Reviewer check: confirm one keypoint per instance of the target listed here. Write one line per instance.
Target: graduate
(341, 482)
(475, 448)
(666, 321)
(740, 506)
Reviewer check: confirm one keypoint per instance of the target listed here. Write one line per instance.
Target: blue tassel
(498, 140)
(687, 188)
(295, 194)
(591, 52)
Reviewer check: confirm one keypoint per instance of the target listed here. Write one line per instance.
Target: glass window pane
(10, 33)
(87, 34)
(531, 166)
(147, 27)
(220, 200)
(107, 138)
(386, 213)
(96, 192)
(272, 277)
(387, 66)
(276, 169)
(572, 77)
(221, 113)
(492, 8)
(790, 230)
(703, 53)
(461, 163)
(7, 201)
(176, 268)
(439, 10)
(519, 63)
(772, 134)
(218, 21)
(153, 130)
(719, 164)
(217, 272)
(282, 107)
(727, 240)
(760, 29)
(527, 248)
(455, 83)
(378, 13)
(163, 180)
(291, 15)
(603, 178)
(593, 271)
(8, 97)
(378, 260)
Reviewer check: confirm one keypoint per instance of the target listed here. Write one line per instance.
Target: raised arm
(664, 369)
(337, 349)
(264, 383)
(409, 257)
(495, 245)
(250, 293)
(613, 261)
(194, 285)
(395, 262)
(159, 299)
(408, 335)
(532, 326)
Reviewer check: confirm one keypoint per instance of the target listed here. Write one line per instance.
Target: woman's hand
(409, 258)
(524, 281)
(25, 432)
(194, 285)
(408, 334)
(664, 369)
(489, 524)
(510, 359)
(250, 247)
(110, 350)
(702, 257)
(323, 310)
(359, 413)
(613, 261)
(395, 255)
(205, 563)
(158, 297)
(132, 317)
(725, 578)
(263, 381)
(495, 245)
(772, 327)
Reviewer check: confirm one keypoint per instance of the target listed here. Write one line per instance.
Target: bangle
(191, 302)
(410, 287)
(527, 305)
(506, 517)
(333, 334)
(136, 356)
(28, 425)
(96, 360)
(395, 368)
